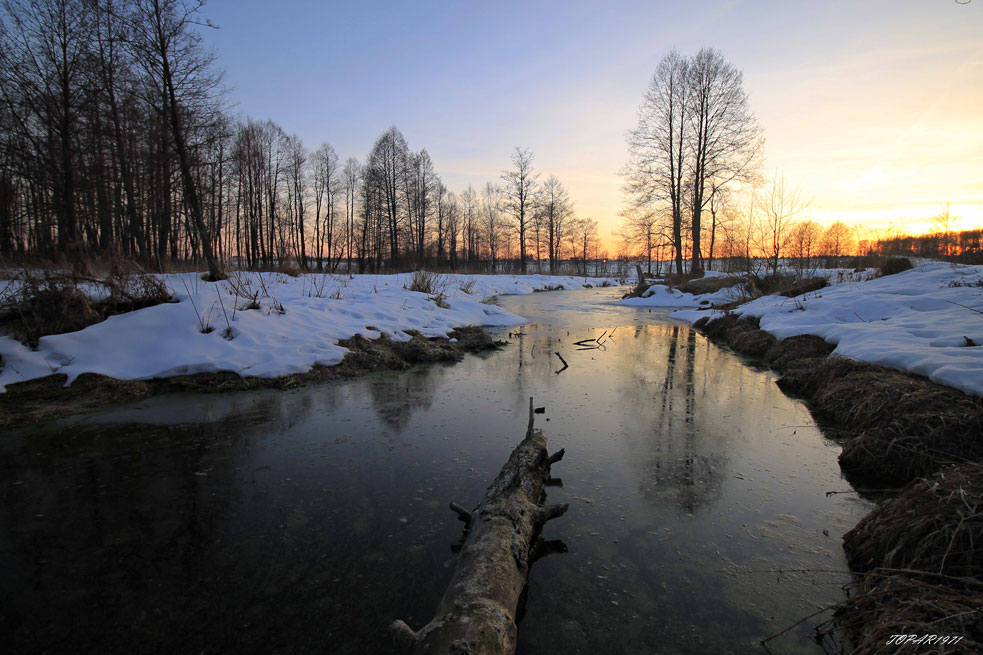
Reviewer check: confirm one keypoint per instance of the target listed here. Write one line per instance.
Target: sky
(872, 108)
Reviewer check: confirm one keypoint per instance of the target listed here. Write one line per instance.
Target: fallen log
(476, 616)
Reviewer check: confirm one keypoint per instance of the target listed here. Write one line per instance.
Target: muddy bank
(919, 555)
(38, 400)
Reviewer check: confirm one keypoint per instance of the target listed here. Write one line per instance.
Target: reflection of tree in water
(396, 397)
(110, 534)
(685, 460)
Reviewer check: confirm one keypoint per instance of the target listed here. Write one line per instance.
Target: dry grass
(921, 554)
(805, 285)
(289, 267)
(885, 606)
(432, 284)
(934, 524)
(787, 352)
(699, 286)
(48, 301)
(906, 426)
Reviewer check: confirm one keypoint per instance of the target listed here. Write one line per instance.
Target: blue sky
(873, 108)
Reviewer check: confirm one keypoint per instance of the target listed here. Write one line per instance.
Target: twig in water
(565, 365)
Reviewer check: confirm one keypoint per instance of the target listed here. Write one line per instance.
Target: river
(306, 521)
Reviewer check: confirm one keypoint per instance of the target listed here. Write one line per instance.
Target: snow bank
(924, 321)
(297, 325)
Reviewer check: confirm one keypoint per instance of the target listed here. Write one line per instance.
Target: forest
(116, 141)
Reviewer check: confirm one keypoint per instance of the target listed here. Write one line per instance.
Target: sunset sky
(874, 109)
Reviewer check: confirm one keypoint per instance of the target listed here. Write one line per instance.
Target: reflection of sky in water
(306, 521)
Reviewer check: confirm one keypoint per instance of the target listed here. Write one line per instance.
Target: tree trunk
(477, 613)
(215, 271)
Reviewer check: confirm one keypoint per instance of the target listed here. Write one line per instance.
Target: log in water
(478, 610)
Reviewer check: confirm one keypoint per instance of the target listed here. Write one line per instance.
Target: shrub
(699, 286)
(894, 265)
(51, 302)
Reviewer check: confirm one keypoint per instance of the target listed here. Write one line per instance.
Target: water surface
(305, 522)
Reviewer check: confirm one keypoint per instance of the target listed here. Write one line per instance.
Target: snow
(659, 295)
(317, 311)
(922, 321)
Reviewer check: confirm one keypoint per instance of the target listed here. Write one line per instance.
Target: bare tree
(654, 175)
(837, 241)
(167, 45)
(492, 209)
(326, 184)
(422, 187)
(782, 205)
(556, 210)
(386, 167)
(470, 228)
(695, 135)
(352, 177)
(649, 231)
(944, 223)
(297, 178)
(725, 137)
(806, 238)
(518, 192)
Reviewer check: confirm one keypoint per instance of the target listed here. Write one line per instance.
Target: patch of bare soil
(35, 401)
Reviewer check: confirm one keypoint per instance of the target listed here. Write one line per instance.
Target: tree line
(115, 141)
(694, 189)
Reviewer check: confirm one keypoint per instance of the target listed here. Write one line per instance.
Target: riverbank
(254, 330)
(49, 397)
(916, 443)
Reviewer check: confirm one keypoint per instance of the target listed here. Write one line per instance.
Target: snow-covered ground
(297, 325)
(927, 320)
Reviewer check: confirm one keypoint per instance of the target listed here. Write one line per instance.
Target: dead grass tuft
(289, 267)
(787, 351)
(754, 343)
(806, 285)
(432, 284)
(424, 282)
